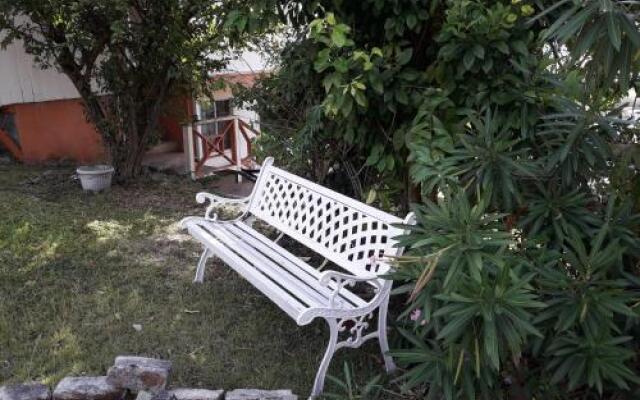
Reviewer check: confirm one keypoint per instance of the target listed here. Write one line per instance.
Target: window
(215, 110)
(223, 108)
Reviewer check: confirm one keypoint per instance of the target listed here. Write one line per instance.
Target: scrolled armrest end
(202, 197)
(214, 201)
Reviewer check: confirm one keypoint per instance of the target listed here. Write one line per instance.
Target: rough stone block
(139, 373)
(188, 394)
(256, 394)
(86, 388)
(27, 391)
(145, 395)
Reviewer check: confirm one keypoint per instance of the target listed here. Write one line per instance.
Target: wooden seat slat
(274, 292)
(296, 265)
(305, 294)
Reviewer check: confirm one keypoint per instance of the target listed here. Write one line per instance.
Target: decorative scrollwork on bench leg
(349, 332)
(355, 331)
(343, 281)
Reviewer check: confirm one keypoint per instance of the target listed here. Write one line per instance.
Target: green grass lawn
(78, 271)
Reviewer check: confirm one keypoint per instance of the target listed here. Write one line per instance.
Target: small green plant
(349, 389)
(378, 387)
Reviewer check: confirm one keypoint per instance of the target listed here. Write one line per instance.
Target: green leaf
(374, 156)
(391, 162)
(502, 47)
(404, 56)
(322, 60)
(488, 64)
(478, 51)
(338, 37)
(361, 99)
(341, 65)
(371, 197)
(456, 327)
(520, 47)
(330, 81)
(331, 18)
(347, 106)
(376, 51)
(412, 21)
(401, 96)
(468, 60)
(613, 29)
(490, 336)
(398, 139)
(632, 32)
(376, 82)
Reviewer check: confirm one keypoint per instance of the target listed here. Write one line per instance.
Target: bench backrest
(339, 228)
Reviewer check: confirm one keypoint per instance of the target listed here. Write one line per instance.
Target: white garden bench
(352, 235)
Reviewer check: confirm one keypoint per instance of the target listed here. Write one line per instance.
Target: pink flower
(415, 314)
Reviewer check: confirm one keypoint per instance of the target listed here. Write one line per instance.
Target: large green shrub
(521, 274)
(498, 311)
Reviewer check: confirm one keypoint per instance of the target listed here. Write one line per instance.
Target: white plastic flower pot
(95, 178)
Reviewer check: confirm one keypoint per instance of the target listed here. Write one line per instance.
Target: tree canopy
(126, 58)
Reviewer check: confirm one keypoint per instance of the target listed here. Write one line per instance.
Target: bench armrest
(343, 280)
(216, 201)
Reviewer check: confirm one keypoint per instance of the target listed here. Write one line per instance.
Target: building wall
(631, 106)
(178, 112)
(47, 114)
(247, 62)
(49, 117)
(56, 130)
(21, 81)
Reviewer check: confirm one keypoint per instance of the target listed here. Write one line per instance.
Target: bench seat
(287, 280)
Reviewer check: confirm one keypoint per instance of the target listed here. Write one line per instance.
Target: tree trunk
(129, 121)
(126, 158)
(128, 148)
(138, 132)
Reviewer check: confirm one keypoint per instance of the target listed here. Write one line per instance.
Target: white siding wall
(631, 106)
(21, 81)
(248, 61)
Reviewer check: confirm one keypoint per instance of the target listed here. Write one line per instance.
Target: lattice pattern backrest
(349, 233)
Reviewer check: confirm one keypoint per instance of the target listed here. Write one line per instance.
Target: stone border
(132, 375)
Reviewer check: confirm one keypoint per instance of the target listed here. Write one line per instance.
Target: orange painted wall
(177, 112)
(57, 130)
